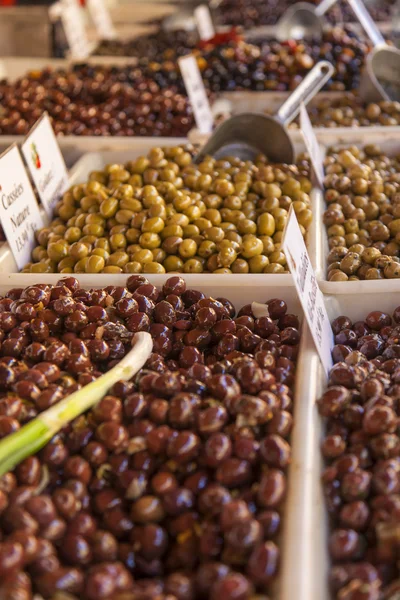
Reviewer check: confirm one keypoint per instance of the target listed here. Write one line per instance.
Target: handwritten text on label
(102, 19)
(74, 27)
(204, 22)
(197, 93)
(310, 296)
(312, 145)
(19, 212)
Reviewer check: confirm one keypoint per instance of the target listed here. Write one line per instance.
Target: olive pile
(269, 65)
(173, 487)
(149, 98)
(159, 45)
(253, 13)
(362, 190)
(362, 449)
(261, 65)
(96, 100)
(349, 110)
(164, 213)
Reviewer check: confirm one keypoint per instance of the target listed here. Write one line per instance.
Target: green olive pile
(363, 214)
(164, 213)
(350, 111)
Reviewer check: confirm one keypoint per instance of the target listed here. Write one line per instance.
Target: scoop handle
(367, 22)
(305, 91)
(323, 7)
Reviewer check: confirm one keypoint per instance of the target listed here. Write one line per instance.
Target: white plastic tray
(97, 160)
(74, 147)
(296, 579)
(318, 561)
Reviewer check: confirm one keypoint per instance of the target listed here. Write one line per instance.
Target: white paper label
(197, 93)
(312, 145)
(74, 27)
(102, 19)
(19, 211)
(310, 295)
(204, 22)
(45, 163)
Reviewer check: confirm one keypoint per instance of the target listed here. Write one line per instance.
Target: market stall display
(238, 463)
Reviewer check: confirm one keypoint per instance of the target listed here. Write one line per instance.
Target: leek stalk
(37, 433)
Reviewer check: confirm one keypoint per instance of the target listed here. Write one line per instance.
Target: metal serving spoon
(248, 134)
(302, 20)
(381, 76)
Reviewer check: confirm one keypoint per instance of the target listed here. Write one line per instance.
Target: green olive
(214, 234)
(100, 252)
(258, 263)
(193, 265)
(78, 251)
(133, 267)
(173, 263)
(132, 235)
(117, 241)
(143, 256)
(109, 207)
(96, 230)
(40, 268)
(226, 256)
(153, 267)
(102, 243)
(66, 263)
(266, 224)
(38, 253)
(274, 268)
(80, 266)
(112, 269)
(57, 250)
(150, 240)
(240, 266)
(94, 264)
(252, 246)
(187, 248)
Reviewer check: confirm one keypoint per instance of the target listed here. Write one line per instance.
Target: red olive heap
(173, 486)
(362, 450)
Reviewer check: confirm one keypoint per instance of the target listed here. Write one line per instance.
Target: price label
(310, 295)
(197, 93)
(204, 23)
(19, 211)
(102, 19)
(74, 27)
(312, 145)
(45, 163)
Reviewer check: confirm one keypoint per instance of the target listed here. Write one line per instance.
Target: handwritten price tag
(312, 145)
(74, 27)
(102, 19)
(204, 22)
(310, 295)
(19, 211)
(197, 93)
(45, 163)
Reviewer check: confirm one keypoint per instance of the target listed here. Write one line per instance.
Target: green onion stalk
(37, 433)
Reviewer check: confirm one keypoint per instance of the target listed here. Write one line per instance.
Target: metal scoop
(302, 20)
(248, 134)
(381, 76)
